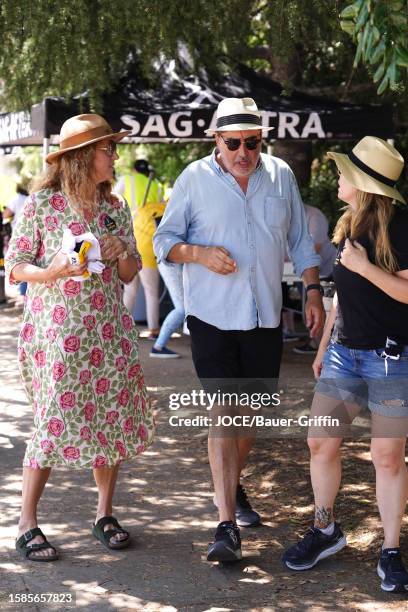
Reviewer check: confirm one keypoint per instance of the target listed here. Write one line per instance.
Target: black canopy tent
(179, 109)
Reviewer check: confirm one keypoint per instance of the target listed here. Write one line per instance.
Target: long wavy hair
(372, 216)
(74, 174)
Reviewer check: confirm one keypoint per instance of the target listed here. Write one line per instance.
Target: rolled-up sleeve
(300, 243)
(173, 228)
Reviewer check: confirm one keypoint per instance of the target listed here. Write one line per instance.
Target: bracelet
(315, 286)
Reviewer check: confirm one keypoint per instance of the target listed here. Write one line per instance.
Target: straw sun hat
(373, 166)
(237, 114)
(83, 130)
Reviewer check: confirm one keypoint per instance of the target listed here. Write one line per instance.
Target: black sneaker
(391, 570)
(313, 547)
(244, 513)
(227, 543)
(305, 349)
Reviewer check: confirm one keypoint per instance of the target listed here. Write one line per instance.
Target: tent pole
(46, 149)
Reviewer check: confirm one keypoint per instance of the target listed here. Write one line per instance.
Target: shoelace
(242, 498)
(307, 541)
(229, 530)
(232, 534)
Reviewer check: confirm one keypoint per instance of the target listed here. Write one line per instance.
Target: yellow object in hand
(83, 249)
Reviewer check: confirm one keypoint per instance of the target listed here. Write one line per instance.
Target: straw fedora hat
(236, 114)
(373, 166)
(83, 130)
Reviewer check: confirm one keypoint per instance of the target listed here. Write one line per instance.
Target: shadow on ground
(165, 499)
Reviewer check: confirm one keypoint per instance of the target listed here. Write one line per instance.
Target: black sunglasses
(233, 144)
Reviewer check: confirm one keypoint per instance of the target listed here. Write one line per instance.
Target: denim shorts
(365, 378)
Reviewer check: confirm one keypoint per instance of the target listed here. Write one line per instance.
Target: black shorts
(235, 365)
(218, 353)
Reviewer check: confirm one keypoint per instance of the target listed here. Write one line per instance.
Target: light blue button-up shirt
(207, 207)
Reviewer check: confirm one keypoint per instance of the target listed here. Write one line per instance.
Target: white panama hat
(237, 114)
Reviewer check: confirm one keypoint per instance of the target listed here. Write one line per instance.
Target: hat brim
(237, 127)
(116, 136)
(362, 181)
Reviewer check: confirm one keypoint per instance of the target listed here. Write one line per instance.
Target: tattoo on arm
(323, 517)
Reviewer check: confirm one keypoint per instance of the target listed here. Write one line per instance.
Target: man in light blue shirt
(230, 219)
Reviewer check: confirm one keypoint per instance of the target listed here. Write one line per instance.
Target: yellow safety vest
(144, 224)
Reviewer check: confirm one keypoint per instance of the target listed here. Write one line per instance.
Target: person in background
(14, 207)
(143, 193)
(173, 279)
(318, 227)
(12, 212)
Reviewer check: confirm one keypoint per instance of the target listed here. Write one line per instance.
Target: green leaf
(359, 52)
(350, 12)
(362, 18)
(401, 57)
(392, 73)
(399, 20)
(367, 41)
(377, 53)
(379, 73)
(383, 85)
(376, 34)
(348, 27)
(395, 5)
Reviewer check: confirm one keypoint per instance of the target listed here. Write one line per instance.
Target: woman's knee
(325, 449)
(389, 457)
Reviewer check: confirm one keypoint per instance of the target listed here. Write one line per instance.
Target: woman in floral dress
(78, 345)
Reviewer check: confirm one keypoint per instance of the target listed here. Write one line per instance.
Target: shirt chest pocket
(276, 212)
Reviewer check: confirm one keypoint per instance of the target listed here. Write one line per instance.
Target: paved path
(165, 499)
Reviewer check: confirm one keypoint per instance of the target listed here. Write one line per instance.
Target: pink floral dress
(77, 350)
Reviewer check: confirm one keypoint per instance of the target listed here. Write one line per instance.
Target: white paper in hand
(69, 241)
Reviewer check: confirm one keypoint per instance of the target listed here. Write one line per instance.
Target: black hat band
(375, 175)
(244, 118)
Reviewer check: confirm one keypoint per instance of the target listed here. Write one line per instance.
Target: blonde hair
(74, 174)
(372, 216)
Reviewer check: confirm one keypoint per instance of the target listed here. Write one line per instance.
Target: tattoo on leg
(323, 517)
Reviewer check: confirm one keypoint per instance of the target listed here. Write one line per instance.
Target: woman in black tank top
(362, 359)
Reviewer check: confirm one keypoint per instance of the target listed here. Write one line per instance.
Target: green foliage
(322, 191)
(168, 160)
(380, 29)
(65, 47)
(307, 32)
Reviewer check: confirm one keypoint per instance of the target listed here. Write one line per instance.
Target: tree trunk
(299, 157)
(297, 154)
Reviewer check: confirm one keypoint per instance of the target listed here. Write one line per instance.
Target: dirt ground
(165, 499)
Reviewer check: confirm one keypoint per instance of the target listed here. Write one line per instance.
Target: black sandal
(105, 536)
(26, 551)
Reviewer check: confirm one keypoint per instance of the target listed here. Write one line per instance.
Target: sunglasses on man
(233, 144)
(110, 149)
